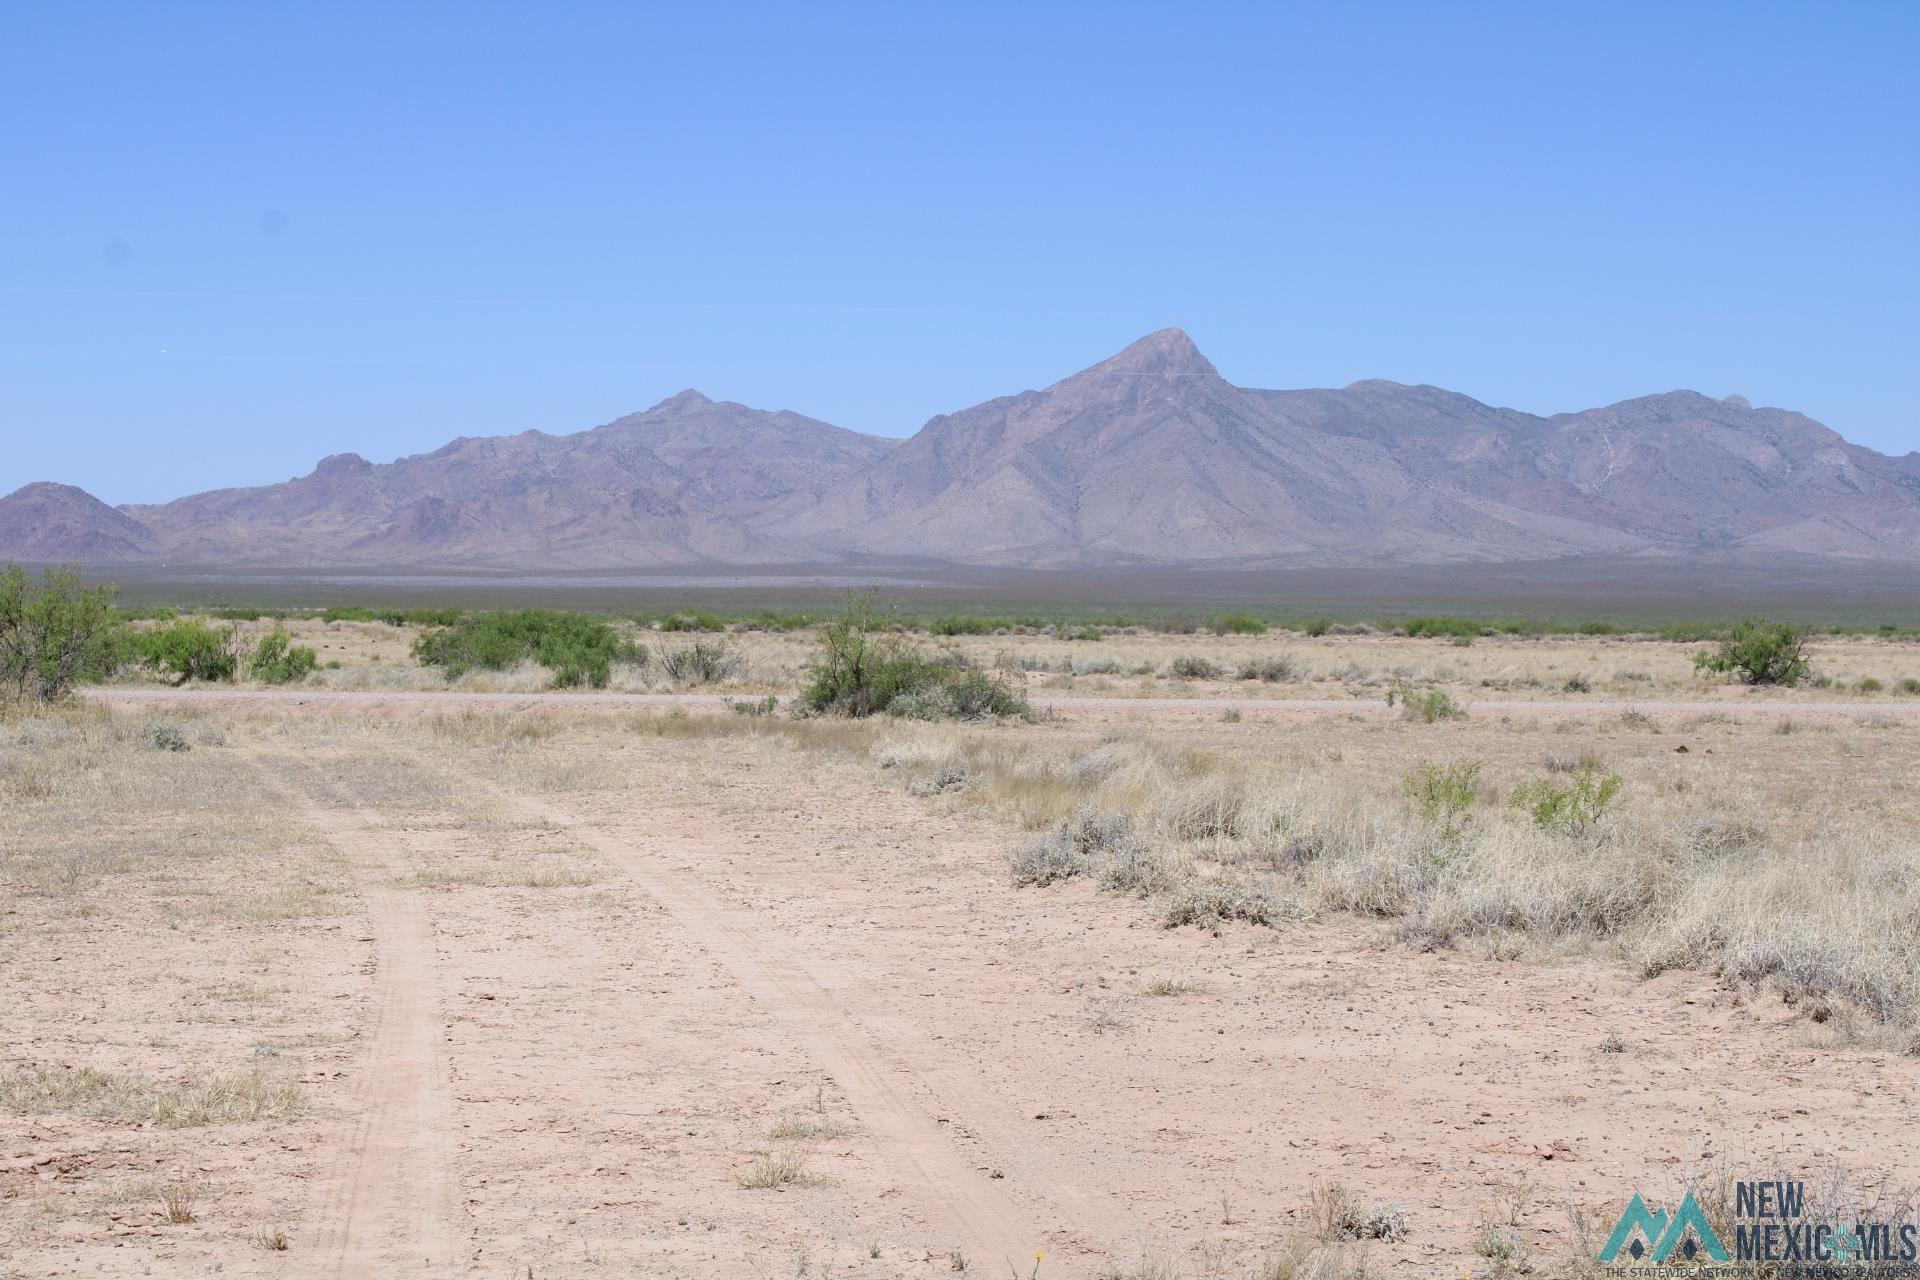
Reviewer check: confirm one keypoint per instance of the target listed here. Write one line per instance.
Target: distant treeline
(1088, 626)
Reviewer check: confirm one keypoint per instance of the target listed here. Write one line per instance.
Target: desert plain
(1242, 972)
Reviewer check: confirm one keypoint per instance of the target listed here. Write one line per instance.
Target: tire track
(386, 1207)
(983, 1216)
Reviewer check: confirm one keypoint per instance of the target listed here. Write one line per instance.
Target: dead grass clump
(807, 1127)
(177, 1202)
(110, 1095)
(771, 1170)
(1172, 987)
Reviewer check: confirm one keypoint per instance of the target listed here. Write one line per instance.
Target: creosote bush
(1573, 807)
(277, 660)
(1443, 793)
(865, 666)
(577, 648)
(189, 650)
(1758, 653)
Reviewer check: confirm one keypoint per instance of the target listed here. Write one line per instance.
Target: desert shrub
(931, 703)
(1134, 867)
(753, 707)
(864, 666)
(692, 620)
(1238, 624)
(1443, 628)
(1909, 685)
(1045, 861)
(55, 634)
(577, 648)
(1577, 684)
(1316, 626)
(1193, 667)
(1757, 652)
(1443, 794)
(1097, 667)
(702, 662)
(948, 777)
(189, 650)
(1573, 807)
(1271, 670)
(1207, 904)
(277, 660)
(165, 735)
(1867, 684)
(1423, 705)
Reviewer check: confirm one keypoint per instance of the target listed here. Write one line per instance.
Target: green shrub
(1423, 705)
(1443, 793)
(1868, 684)
(864, 666)
(1270, 670)
(277, 660)
(190, 650)
(702, 662)
(1757, 652)
(754, 707)
(1909, 685)
(1238, 624)
(1192, 667)
(577, 648)
(56, 634)
(1573, 807)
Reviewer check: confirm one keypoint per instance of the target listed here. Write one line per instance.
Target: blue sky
(236, 238)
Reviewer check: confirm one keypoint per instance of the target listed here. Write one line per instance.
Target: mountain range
(1147, 458)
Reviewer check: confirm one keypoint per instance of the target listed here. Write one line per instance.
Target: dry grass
(177, 1202)
(780, 1167)
(108, 1095)
(807, 1127)
(1704, 864)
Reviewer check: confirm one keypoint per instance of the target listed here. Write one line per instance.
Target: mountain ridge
(1147, 457)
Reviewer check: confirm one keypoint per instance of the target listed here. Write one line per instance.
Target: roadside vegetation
(864, 666)
(1658, 873)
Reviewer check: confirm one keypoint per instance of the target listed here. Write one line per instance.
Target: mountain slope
(680, 483)
(55, 522)
(1150, 457)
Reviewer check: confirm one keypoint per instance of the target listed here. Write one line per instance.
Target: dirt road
(1758, 707)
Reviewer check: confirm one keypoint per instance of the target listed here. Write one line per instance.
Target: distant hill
(1150, 457)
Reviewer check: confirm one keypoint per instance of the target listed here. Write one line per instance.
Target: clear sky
(235, 238)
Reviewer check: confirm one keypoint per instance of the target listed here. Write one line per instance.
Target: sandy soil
(561, 1004)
